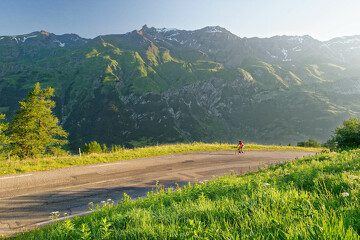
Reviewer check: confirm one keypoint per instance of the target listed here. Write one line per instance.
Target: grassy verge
(310, 198)
(42, 164)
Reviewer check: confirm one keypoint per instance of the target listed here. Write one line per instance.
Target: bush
(331, 144)
(57, 151)
(116, 148)
(104, 148)
(348, 135)
(4, 140)
(309, 143)
(92, 147)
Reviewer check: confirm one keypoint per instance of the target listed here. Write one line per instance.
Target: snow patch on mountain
(171, 37)
(75, 39)
(20, 39)
(214, 30)
(297, 49)
(174, 34)
(163, 30)
(60, 43)
(342, 41)
(14, 38)
(272, 56)
(25, 38)
(299, 39)
(285, 52)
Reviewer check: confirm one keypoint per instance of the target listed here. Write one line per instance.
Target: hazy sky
(322, 19)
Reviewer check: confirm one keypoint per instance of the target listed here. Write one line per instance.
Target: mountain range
(156, 85)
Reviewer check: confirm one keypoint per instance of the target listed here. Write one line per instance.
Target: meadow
(47, 163)
(309, 198)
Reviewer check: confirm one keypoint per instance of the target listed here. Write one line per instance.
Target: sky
(321, 19)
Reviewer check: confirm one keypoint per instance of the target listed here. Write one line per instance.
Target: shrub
(348, 135)
(309, 143)
(104, 148)
(57, 151)
(116, 148)
(93, 147)
(4, 140)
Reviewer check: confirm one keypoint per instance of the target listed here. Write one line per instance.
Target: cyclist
(240, 147)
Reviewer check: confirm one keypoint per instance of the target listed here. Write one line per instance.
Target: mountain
(156, 85)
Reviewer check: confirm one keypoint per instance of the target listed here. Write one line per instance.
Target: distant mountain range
(167, 85)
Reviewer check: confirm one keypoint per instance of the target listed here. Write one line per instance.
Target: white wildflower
(345, 194)
(103, 202)
(287, 173)
(353, 176)
(265, 184)
(54, 215)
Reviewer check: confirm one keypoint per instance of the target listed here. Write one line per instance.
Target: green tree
(348, 135)
(116, 148)
(93, 147)
(35, 128)
(4, 139)
(309, 143)
(104, 148)
(331, 144)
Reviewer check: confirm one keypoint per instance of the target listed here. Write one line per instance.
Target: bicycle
(239, 151)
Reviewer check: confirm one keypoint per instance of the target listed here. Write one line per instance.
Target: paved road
(26, 200)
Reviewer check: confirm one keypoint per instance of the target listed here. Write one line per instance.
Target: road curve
(27, 200)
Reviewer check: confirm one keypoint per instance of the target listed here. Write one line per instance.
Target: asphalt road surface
(27, 200)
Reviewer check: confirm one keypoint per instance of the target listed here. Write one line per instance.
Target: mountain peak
(45, 33)
(214, 29)
(162, 30)
(46, 38)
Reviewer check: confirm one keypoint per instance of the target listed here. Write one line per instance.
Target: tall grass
(310, 198)
(48, 163)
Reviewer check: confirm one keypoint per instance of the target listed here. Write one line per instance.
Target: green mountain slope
(160, 85)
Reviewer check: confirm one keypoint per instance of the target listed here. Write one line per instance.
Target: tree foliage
(93, 147)
(348, 135)
(309, 143)
(35, 128)
(4, 139)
